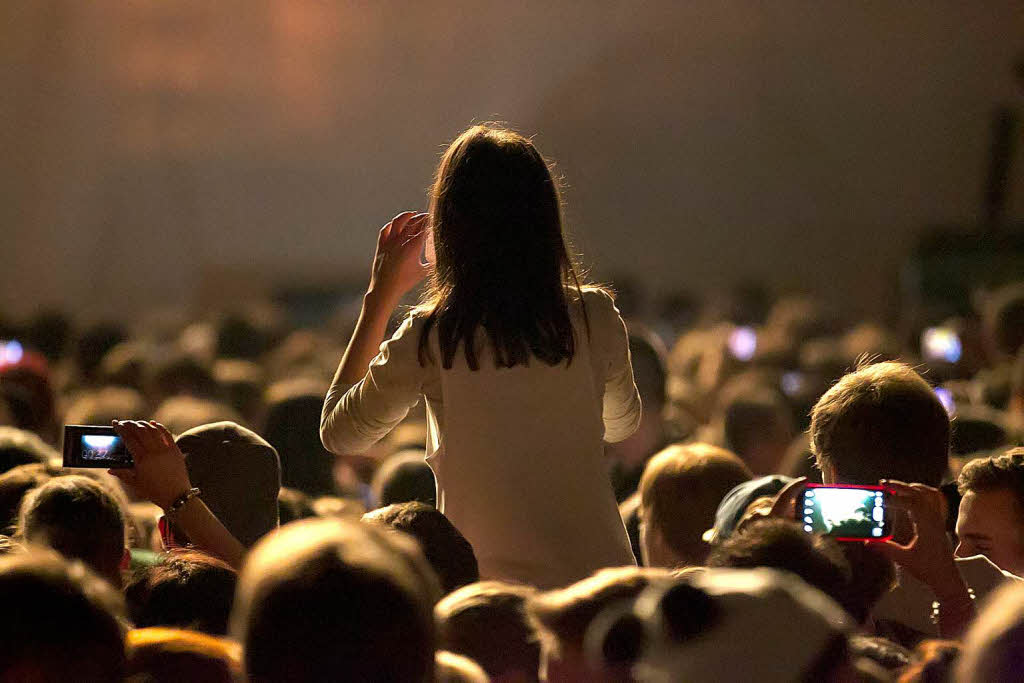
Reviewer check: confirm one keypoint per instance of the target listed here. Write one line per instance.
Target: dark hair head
(782, 544)
(292, 427)
(79, 519)
(126, 365)
(20, 447)
(404, 477)
(169, 655)
(882, 421)
(978, 428)
(14, 486)
(185, 589)
(94, 343)
(501, 256)
(239, 475)
(247, 334)
(293, 504)
(1004, 471)
(174, 373)
(758, 425)
(61, 622)
(26, 390)
(487, 622)
(328, 599)
(49, 333)
(447, 550)
(648, 355)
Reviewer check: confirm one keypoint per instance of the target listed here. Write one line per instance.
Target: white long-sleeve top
(517, 452)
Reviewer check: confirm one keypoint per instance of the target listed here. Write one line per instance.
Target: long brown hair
(501, 256)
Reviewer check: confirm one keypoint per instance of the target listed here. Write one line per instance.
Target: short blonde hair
(680, 490)
(882, 421)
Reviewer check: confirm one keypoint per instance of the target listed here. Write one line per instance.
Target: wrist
(376, 300)
(173, 505)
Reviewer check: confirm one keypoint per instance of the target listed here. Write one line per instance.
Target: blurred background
(162, 153)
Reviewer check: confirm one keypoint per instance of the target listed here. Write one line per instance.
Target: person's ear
(126, 560)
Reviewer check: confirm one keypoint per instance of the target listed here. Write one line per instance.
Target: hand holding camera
(159, 474)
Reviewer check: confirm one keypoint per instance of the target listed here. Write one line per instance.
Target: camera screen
(844, 512)
(103, 447)
(94, 446)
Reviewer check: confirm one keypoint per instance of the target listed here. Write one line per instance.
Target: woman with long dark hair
(524, 370)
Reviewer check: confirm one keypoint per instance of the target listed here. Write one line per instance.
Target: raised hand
(159, 474)
(397, 267)
(928, 555)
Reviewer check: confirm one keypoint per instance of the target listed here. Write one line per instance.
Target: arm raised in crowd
(160, 476)
(371, 393)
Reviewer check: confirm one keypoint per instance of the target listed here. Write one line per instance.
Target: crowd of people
(523, 478)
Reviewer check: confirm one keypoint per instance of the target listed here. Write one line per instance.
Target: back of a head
(882, 421)
(79, 519)
(182, 413)
(451, 667)
(487, 622)
(21, 447)
(404, 477)
(562, 616)
(757, 425)
(292, 426)
(174, 373)
(329, 599)
(239, 475)
(500, 252)
(169, 655)
(783, 544)
(994, 644)
(94, 343)
(647, 353)
(61, 622)
(102, 406)
(14, 486)
(246, 334)
(186, 590)
(445, 548)
(680, 491)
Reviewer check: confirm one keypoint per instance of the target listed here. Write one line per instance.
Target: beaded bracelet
(184, 498)
(937, 606)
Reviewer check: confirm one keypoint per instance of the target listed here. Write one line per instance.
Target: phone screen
(847, 513)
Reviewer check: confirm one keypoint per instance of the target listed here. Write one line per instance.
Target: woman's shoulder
(599, 302)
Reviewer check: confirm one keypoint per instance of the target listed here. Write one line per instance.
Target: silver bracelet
(181, 500)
